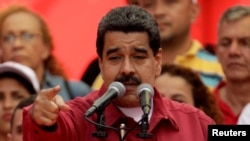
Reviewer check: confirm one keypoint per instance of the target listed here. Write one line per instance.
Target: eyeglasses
(25, 37)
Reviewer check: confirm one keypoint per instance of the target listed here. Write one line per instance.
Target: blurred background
(73, 24)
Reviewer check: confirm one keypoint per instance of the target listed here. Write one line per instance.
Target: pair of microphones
(145, 92)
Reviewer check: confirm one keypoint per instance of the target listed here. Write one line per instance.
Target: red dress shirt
(170, 121)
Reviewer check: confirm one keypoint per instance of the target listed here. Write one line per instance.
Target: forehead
(10, 82)
(118, 39)
(236, 27)
(20, 21)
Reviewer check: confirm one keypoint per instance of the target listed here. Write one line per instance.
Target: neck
(175, 47)
(236, 95)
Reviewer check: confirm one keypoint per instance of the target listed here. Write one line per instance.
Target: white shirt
(244, 117)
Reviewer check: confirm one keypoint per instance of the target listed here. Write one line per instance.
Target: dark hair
(23, 81)
(127, 19)
(203, 98)
(23, 103)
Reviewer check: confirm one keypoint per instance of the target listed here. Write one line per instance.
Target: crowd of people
(144, 43)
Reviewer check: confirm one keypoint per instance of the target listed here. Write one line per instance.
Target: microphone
(145, 92)
(115, 89)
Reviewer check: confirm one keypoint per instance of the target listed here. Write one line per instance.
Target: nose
(234, 49)
(8, 103)
(127, 67)
(17, 43)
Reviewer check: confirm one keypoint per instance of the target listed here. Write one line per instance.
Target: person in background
(16, 82)
(16, 133)
(183, 85)
(26, 39)
(174, 18)
(233, 51)
(128, 48)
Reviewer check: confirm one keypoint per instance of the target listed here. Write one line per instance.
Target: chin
(128, 101)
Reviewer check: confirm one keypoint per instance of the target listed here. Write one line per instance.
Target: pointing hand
(47, 106)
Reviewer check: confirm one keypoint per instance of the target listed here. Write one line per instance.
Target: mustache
(128, 78)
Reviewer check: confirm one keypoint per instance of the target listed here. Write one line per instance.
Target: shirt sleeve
(33, 132)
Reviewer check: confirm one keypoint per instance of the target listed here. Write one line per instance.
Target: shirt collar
(195, 47)
(160, 112)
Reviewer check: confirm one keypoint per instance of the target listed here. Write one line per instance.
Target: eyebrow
(137, 49)
(141, 50)
(112, 50)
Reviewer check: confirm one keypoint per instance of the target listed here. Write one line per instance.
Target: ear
(195, 11)
(158, 62)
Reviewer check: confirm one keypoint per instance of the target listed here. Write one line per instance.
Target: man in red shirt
(128, 47)
(233, 53)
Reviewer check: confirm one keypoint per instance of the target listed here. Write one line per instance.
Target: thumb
(50, 93)
(61, 104)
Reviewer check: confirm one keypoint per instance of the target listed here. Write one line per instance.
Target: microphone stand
(100, 133)
(144, 128)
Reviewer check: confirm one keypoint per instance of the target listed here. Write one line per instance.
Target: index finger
(50, 93)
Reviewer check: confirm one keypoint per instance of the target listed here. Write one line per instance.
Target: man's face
(11, 93)
(233, 49)
(128, 58)
(174, 17)
(22, 41)
(17, 132)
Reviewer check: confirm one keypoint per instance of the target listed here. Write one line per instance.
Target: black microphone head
(147, 87)
(118, 87)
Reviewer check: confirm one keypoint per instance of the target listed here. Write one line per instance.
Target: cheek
(6, 54)
(221, 54)
(109, 72)
(247, 56)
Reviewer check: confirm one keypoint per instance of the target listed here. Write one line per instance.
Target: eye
(8, 38)
(114, 57)
(180, 101)
(245, 43)
(171, 1)
(139, 57)
(17, 95)
(147, 5)
(27, 36)
(1, 96)
(225, 42)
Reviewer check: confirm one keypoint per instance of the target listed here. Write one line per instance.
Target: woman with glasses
(26, 39)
